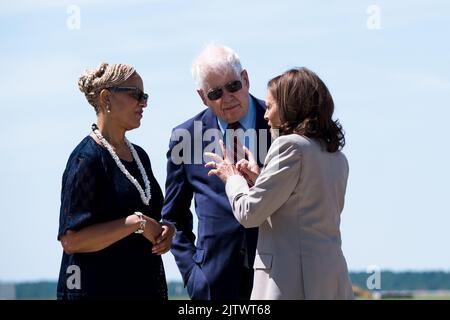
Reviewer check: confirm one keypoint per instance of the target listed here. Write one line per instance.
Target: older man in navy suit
(220, 264)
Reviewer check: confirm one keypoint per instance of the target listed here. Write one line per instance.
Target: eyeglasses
(217, 93)
(136, 93)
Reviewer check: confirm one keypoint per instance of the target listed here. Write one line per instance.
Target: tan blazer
(296, 202)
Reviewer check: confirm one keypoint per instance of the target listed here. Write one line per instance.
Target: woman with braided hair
(110, 200)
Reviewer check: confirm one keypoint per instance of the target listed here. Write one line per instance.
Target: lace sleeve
(79, 194)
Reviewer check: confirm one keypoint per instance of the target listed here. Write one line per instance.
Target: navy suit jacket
(211, 268)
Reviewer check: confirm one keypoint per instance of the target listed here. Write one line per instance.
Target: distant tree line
(47, 290)
(36, 290)
(433, 280)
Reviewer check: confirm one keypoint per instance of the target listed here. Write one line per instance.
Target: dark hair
(306, 107)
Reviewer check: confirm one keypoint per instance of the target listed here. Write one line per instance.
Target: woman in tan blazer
(298, 196)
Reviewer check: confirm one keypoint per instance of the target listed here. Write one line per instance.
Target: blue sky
(391, 88)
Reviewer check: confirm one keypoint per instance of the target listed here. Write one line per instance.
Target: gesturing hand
(248, 168)
(223, 168)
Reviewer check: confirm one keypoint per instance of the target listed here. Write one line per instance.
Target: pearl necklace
(145, 196)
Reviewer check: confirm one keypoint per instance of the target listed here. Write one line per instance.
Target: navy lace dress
(94, 190)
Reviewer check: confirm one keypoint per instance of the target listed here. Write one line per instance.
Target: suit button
(242, 252)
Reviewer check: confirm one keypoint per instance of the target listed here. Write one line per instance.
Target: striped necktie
(234, 126)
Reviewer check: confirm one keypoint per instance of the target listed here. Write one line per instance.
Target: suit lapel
(260, 110)
(209, 121)
(261, 123)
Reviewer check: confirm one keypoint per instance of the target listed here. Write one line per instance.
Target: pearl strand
(145, 196)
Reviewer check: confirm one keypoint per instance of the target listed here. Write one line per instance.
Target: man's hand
(222, 167)
(164, 241)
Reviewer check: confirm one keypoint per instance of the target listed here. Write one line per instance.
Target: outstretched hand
(221, 167)
(248, 168)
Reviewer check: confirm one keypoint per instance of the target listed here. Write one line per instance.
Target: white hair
(215, 58)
